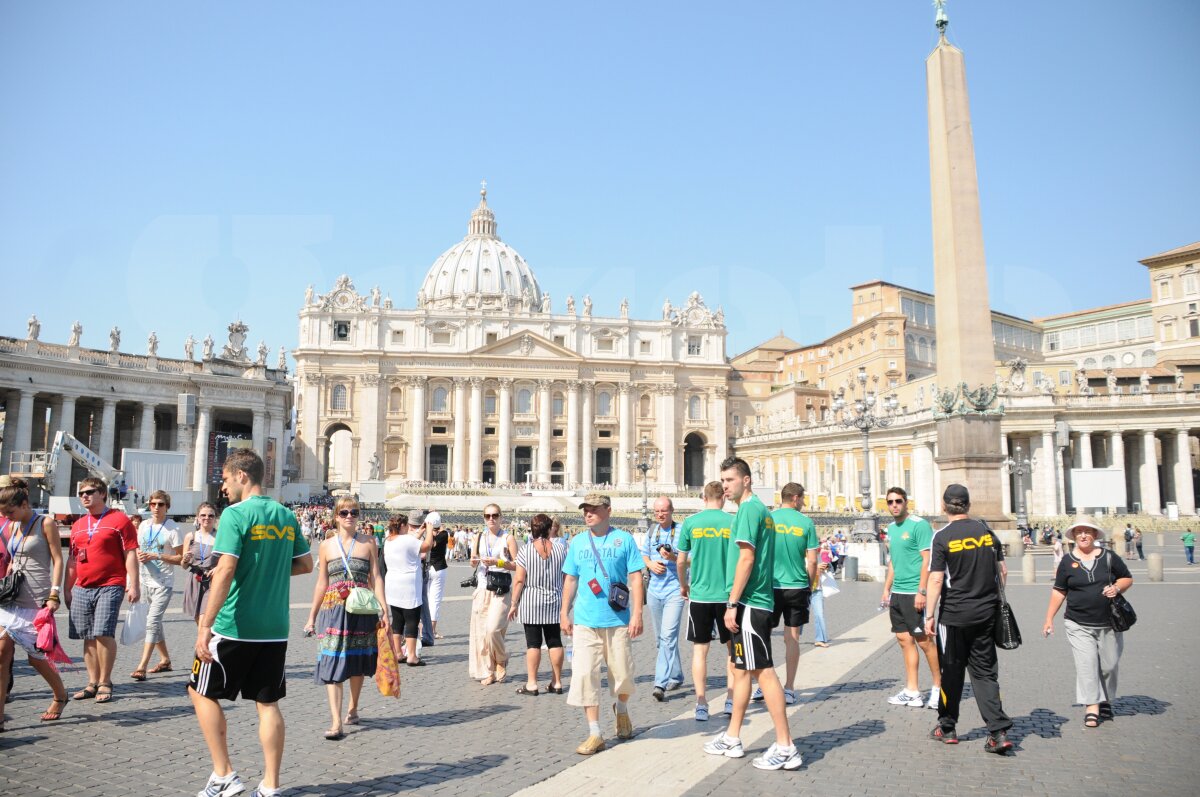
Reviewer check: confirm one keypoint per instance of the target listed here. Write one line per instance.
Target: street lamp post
(644, 458)
(1019, 466)
(864, 411)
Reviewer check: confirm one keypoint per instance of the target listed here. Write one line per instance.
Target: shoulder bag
(499, 582)
(618, 593)
(1121, 613)
(360, 600)
(10, 585)
(1006, 633)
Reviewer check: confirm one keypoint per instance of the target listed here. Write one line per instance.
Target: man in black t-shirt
(966, 566)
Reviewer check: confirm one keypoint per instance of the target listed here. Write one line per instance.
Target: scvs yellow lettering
(970, 543)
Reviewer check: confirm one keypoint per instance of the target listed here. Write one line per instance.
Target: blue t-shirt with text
(621, 557)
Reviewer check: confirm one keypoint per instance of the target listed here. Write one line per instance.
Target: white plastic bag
(133, 630)
(829, 586)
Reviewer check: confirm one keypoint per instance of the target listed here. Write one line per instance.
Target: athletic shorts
(405, 622)
(255, 670)
(94, 611)
(904, 614)
(752, 643)
(702, 619)
(791, 606)
(536, 633)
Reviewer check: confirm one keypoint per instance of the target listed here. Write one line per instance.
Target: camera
(665, 549)
(470, 583)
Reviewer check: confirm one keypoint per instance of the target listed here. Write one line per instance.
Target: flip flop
(352, 718)
(86, 693)
(163, 666)
(104, 693)
(138, 675)
(521, 690)
(49, 715)
(417, 663)
(335, 736)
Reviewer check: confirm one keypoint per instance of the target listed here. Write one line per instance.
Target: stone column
(475, 471)
(624, 433)
(571, 478)
(200, 461)
(1085, 450)
(416, 428)
(310, 427)
(850, 479)
(1148, 475)
(368, 406)
(258, 426)
(545, 416)
(146, 432)
(587, 432)
(23, 439)
(459, 466)
(1185, 495)
(504, 460)
(1116, 459)
(1006, 499)
(720, 417)
(667, 436)
(108, 431)
(66, 423)
(275, 430)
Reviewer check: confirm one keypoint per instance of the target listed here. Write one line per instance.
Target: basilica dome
(480, 271)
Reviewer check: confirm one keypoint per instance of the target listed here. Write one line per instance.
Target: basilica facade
(484, 382)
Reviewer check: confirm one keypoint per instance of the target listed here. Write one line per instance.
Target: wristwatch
(731, 605)
(921, 592)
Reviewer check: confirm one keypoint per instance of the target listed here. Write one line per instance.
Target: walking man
(159, 553)
(603, 615)
(796, 546)
(967, 558)
(750, 570)
(102, 568)
(241, 641)
(904, 593)
(1189, 546)
(664, 598)
(705, 537)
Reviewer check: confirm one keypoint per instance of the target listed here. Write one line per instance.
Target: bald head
(663, 510)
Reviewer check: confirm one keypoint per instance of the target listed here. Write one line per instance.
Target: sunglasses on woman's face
(206, 517)
(491, 515)
(348, 513)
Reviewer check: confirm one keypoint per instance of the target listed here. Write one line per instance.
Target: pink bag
(47, 638)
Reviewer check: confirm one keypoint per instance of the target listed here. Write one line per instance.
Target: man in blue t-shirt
(602, 610)
(664, 599)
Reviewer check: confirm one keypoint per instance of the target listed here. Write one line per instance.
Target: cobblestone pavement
(447, 733)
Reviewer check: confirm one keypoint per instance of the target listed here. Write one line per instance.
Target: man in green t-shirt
(750, 572)
(1189, 546)
(241, 642)
(704, 537)
(909, 539)
(796, 547)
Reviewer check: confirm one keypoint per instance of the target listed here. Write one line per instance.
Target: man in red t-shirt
(102, 568)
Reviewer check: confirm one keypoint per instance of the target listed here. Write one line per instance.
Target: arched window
(1109, 361)
(1090, 363)
(1148, 359)
(558, 405)
(695, 408)
(910, 346)
(395, 400)
(604, 404)
(340, 400)
(644, 404)
(524, 401)
(489, 403)
(923, 350)
(439, 400)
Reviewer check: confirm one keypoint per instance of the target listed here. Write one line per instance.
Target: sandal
(104, 693)
(521, 690)
(491, 679)
(86, 693)
(352, 718)
(335, 736)
(1091, 720)
(49, 715)
(557, 690)
(138, 675)
(162, 666)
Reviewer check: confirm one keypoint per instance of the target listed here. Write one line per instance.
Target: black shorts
(252, 669)
(535, 633)
(702, 618)
(752, 643)
(405, 622)
(904, 614)
(791, 606)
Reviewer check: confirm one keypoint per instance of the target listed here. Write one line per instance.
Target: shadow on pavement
(1041, 722)
(417, 775)
(1132, 705)
(455, 717)
(814, 746)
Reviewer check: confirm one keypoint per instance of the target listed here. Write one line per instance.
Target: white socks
(593, 728)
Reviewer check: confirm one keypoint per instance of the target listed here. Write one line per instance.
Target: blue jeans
(667, 612)
(1190, 552)
(816, 609)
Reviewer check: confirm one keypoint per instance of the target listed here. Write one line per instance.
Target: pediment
(526, 346)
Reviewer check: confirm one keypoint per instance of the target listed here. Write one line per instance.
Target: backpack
(1128, 535)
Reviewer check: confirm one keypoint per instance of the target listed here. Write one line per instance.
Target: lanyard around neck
(20, 541)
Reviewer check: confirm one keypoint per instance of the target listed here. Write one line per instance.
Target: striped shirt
(542, 597)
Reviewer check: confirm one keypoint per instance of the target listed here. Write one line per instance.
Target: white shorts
(18, 625)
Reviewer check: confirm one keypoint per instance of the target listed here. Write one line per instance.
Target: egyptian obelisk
(969, 430)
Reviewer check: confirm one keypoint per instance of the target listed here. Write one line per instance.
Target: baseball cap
(956, 493)
(595, 499)
(434, 519)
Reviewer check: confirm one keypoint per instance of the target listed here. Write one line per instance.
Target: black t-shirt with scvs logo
(967, 551)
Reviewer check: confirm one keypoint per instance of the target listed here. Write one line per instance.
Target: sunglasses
(158, 503)
(202, 517)
(348, 513)
(85, 493)
(491, 515)
(895, 501)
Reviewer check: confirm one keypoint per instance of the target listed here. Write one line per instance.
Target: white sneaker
(758, 695)
(729, 708)
(789, 697)
(701, 712)
(720, 745)
(933, 698)
(778, 757)
(906, 698)
(228, 786)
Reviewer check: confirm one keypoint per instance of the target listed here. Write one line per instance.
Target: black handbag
(1121, 615)
(498, 582)
(618, 593)
(1005, 632)
(10, 585)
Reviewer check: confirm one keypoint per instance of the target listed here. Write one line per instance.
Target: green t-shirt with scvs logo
(795, 536)
(705, 536)
(905, 542)
(753, 525)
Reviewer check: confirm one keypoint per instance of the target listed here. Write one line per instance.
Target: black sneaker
(997, 743)
(659, 694)
(940, 734)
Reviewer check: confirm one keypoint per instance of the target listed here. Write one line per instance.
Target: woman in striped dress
(536, 601)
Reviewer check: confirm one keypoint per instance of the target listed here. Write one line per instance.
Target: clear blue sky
(173, 166)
